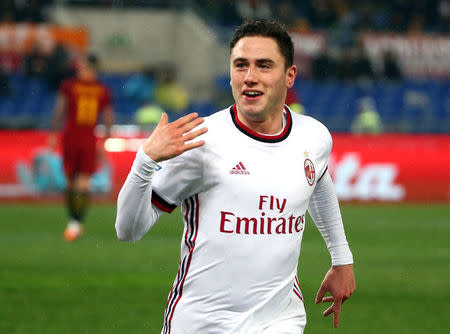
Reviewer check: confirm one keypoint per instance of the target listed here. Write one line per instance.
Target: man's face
(259, 80)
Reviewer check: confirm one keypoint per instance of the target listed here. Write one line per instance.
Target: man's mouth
(252, 93)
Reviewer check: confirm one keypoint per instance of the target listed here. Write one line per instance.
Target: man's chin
(250, 108)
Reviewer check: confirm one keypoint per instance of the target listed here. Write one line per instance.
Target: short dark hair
(267, 28)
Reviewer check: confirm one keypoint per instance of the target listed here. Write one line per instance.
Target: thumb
(320, 293)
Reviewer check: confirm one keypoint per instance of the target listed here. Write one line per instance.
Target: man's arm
(58, 115)
(340, 280)
(135, 214)
(108, 119)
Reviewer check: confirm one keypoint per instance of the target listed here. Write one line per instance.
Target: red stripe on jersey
(262, 137)
(180, 271)
(298, 295)
(320, 178)
(161, 204)
(240, 164)
(297, 289)
(191, 245)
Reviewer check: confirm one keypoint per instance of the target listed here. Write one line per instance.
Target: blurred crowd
(23, 10)
(380, 15)
(157, 89)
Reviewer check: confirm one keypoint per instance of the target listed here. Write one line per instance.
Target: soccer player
(244, 180)
(80, 101)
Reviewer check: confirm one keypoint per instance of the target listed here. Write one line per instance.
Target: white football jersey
(243, 196)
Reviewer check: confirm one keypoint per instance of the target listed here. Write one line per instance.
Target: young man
(80, 100)
(244, 182)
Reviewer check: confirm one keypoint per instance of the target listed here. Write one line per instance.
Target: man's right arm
(58, 115)
(135, 214)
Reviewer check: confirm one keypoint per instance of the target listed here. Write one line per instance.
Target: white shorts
(291, 321)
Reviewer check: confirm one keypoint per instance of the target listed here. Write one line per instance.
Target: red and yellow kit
(85, 100)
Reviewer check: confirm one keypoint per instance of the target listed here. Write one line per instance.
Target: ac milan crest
(310, 172)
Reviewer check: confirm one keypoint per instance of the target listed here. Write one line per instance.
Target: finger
(328, 311)
(195, 134)
(192, 124)
(194, 144)
(337, 312)
(320, 294)
(327, 299)
(185, 119)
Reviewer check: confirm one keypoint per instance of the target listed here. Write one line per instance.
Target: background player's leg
(79, 197)
(77, 201)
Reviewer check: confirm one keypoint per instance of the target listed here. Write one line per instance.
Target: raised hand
(169, 140)
(340, 282)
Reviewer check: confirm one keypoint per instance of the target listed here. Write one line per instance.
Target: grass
(101, 285)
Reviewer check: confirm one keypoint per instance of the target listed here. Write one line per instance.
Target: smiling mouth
(251, 93)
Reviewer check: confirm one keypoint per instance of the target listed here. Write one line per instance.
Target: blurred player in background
(244, 186)
(80, 102)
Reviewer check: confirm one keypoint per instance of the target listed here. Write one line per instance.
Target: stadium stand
(418, 105)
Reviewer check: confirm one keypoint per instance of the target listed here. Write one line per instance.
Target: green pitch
(101, 285)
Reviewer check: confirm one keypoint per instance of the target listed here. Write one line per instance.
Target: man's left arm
(339, 280)
(108, 119)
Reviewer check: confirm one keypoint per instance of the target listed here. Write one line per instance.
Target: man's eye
(264, 66)
(240, 65)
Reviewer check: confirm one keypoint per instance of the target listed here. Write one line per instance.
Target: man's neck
(271, 125)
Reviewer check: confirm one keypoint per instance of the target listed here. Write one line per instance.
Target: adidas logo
(239, 169)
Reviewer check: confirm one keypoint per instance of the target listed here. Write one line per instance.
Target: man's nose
(250, 76)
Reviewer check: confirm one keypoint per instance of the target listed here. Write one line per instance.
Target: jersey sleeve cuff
(161, 203)
(341, 255)
(143, 165)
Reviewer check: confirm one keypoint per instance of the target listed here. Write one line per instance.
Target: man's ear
(291, 74)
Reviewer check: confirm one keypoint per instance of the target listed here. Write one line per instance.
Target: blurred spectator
(220, 12)
(285, 12)
(30, 10)
(50, 62)
(10, 61)
(4, 85)
(169, 93)
(443, 16)
(391, 68)
(7, 14)
(323, 66)
(140, 87)
(148, 115)
(253, 9)
(345, 69)
(36, 62)
(59, 67)
(321, 13)
(367, 120)
(400, 12)
(362, 66)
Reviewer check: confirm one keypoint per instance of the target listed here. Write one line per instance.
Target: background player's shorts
(79, 156)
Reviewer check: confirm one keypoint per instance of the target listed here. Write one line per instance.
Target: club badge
(310, 172)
